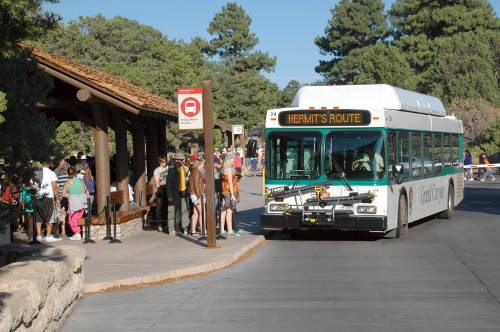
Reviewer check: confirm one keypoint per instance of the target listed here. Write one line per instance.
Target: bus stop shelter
(102, 101)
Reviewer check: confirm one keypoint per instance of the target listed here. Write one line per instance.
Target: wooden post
(122, 180)
(208, 125)
(139, 166)
(100, 116)
(151, 146)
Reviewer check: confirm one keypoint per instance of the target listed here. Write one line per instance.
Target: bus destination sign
(325, 118)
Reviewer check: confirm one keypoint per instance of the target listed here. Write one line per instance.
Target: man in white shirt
(44, 204)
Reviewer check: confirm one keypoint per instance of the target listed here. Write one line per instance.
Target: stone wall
(37, 292)
(123, 230)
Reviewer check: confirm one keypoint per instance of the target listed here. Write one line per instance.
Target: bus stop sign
(190, 108)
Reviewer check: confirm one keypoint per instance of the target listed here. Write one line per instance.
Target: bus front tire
(448, 213)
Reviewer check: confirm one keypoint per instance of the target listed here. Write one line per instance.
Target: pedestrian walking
(468, 161)
(76, 192)
(45, 202)
(230, 193)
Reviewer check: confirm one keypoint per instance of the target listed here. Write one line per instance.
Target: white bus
(361, 157)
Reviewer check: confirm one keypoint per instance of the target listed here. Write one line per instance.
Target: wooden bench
(121, 217)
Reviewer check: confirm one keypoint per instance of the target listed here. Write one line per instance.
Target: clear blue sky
(286, 29)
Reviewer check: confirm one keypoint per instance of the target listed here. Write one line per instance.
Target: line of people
(51, 198)
(180, 199)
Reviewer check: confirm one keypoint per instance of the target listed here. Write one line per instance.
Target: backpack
(90, 184)
(37, 179)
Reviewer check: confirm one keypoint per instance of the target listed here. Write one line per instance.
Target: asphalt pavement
(443, 275)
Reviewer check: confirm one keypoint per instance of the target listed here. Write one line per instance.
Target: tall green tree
(22, 19)
(28, 134)
(375, 64)
(465, 65)
(288, 93)
(354, 24)
(241, 93)
(430, 32)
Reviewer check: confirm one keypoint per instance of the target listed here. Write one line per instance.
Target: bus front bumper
(341, 222)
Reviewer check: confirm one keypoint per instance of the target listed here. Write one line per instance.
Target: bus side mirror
(397, 173)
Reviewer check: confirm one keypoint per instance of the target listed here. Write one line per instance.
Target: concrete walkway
(152, 257)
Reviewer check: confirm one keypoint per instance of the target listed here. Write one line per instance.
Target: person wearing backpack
(76, 192)
(44, 202)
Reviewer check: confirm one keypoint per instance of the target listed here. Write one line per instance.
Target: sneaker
(76, 237)
(238, 232)
(493, 179)
(51, 238)
(173, 233)
(40, 239)
(482, 180)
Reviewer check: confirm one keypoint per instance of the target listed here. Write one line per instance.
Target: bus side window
(403, 152)
(454, 144)
(438, 153)
(416, 155)
(447, 150)
(391, 149)
(428, 154)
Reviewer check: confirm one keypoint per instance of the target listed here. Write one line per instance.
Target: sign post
(190, 108)
(208, 124)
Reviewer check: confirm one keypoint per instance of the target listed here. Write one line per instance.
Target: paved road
(441, 276)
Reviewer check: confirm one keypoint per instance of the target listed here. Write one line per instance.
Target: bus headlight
(369, 209)
(277, 207)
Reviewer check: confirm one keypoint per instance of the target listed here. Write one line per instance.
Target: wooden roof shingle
(112, 85)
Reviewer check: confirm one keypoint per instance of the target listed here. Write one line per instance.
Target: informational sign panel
(238, 129)
(190, 108)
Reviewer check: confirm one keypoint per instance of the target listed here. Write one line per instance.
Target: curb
(175, 274)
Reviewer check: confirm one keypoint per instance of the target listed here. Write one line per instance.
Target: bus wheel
(402, 216)
(448, 213)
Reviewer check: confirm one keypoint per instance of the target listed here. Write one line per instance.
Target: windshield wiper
(340, 172)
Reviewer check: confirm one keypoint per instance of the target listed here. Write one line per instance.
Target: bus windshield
(360, 155)
(293, 155)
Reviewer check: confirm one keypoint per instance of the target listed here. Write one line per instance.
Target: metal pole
(114, 239)
(108, 221)
(208, 126)
(88, 222)
(33, 224)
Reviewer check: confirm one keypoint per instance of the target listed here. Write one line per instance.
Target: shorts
(228, 202)
(44, 211)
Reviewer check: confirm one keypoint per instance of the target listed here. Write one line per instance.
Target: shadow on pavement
(484, 200)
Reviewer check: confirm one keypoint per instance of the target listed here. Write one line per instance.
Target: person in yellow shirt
(178, 219)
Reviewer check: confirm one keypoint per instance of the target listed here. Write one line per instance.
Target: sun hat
(179, 156)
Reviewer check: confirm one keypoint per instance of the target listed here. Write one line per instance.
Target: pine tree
(354, 24)
(28, 133)
(241, 93)
(417, 23)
